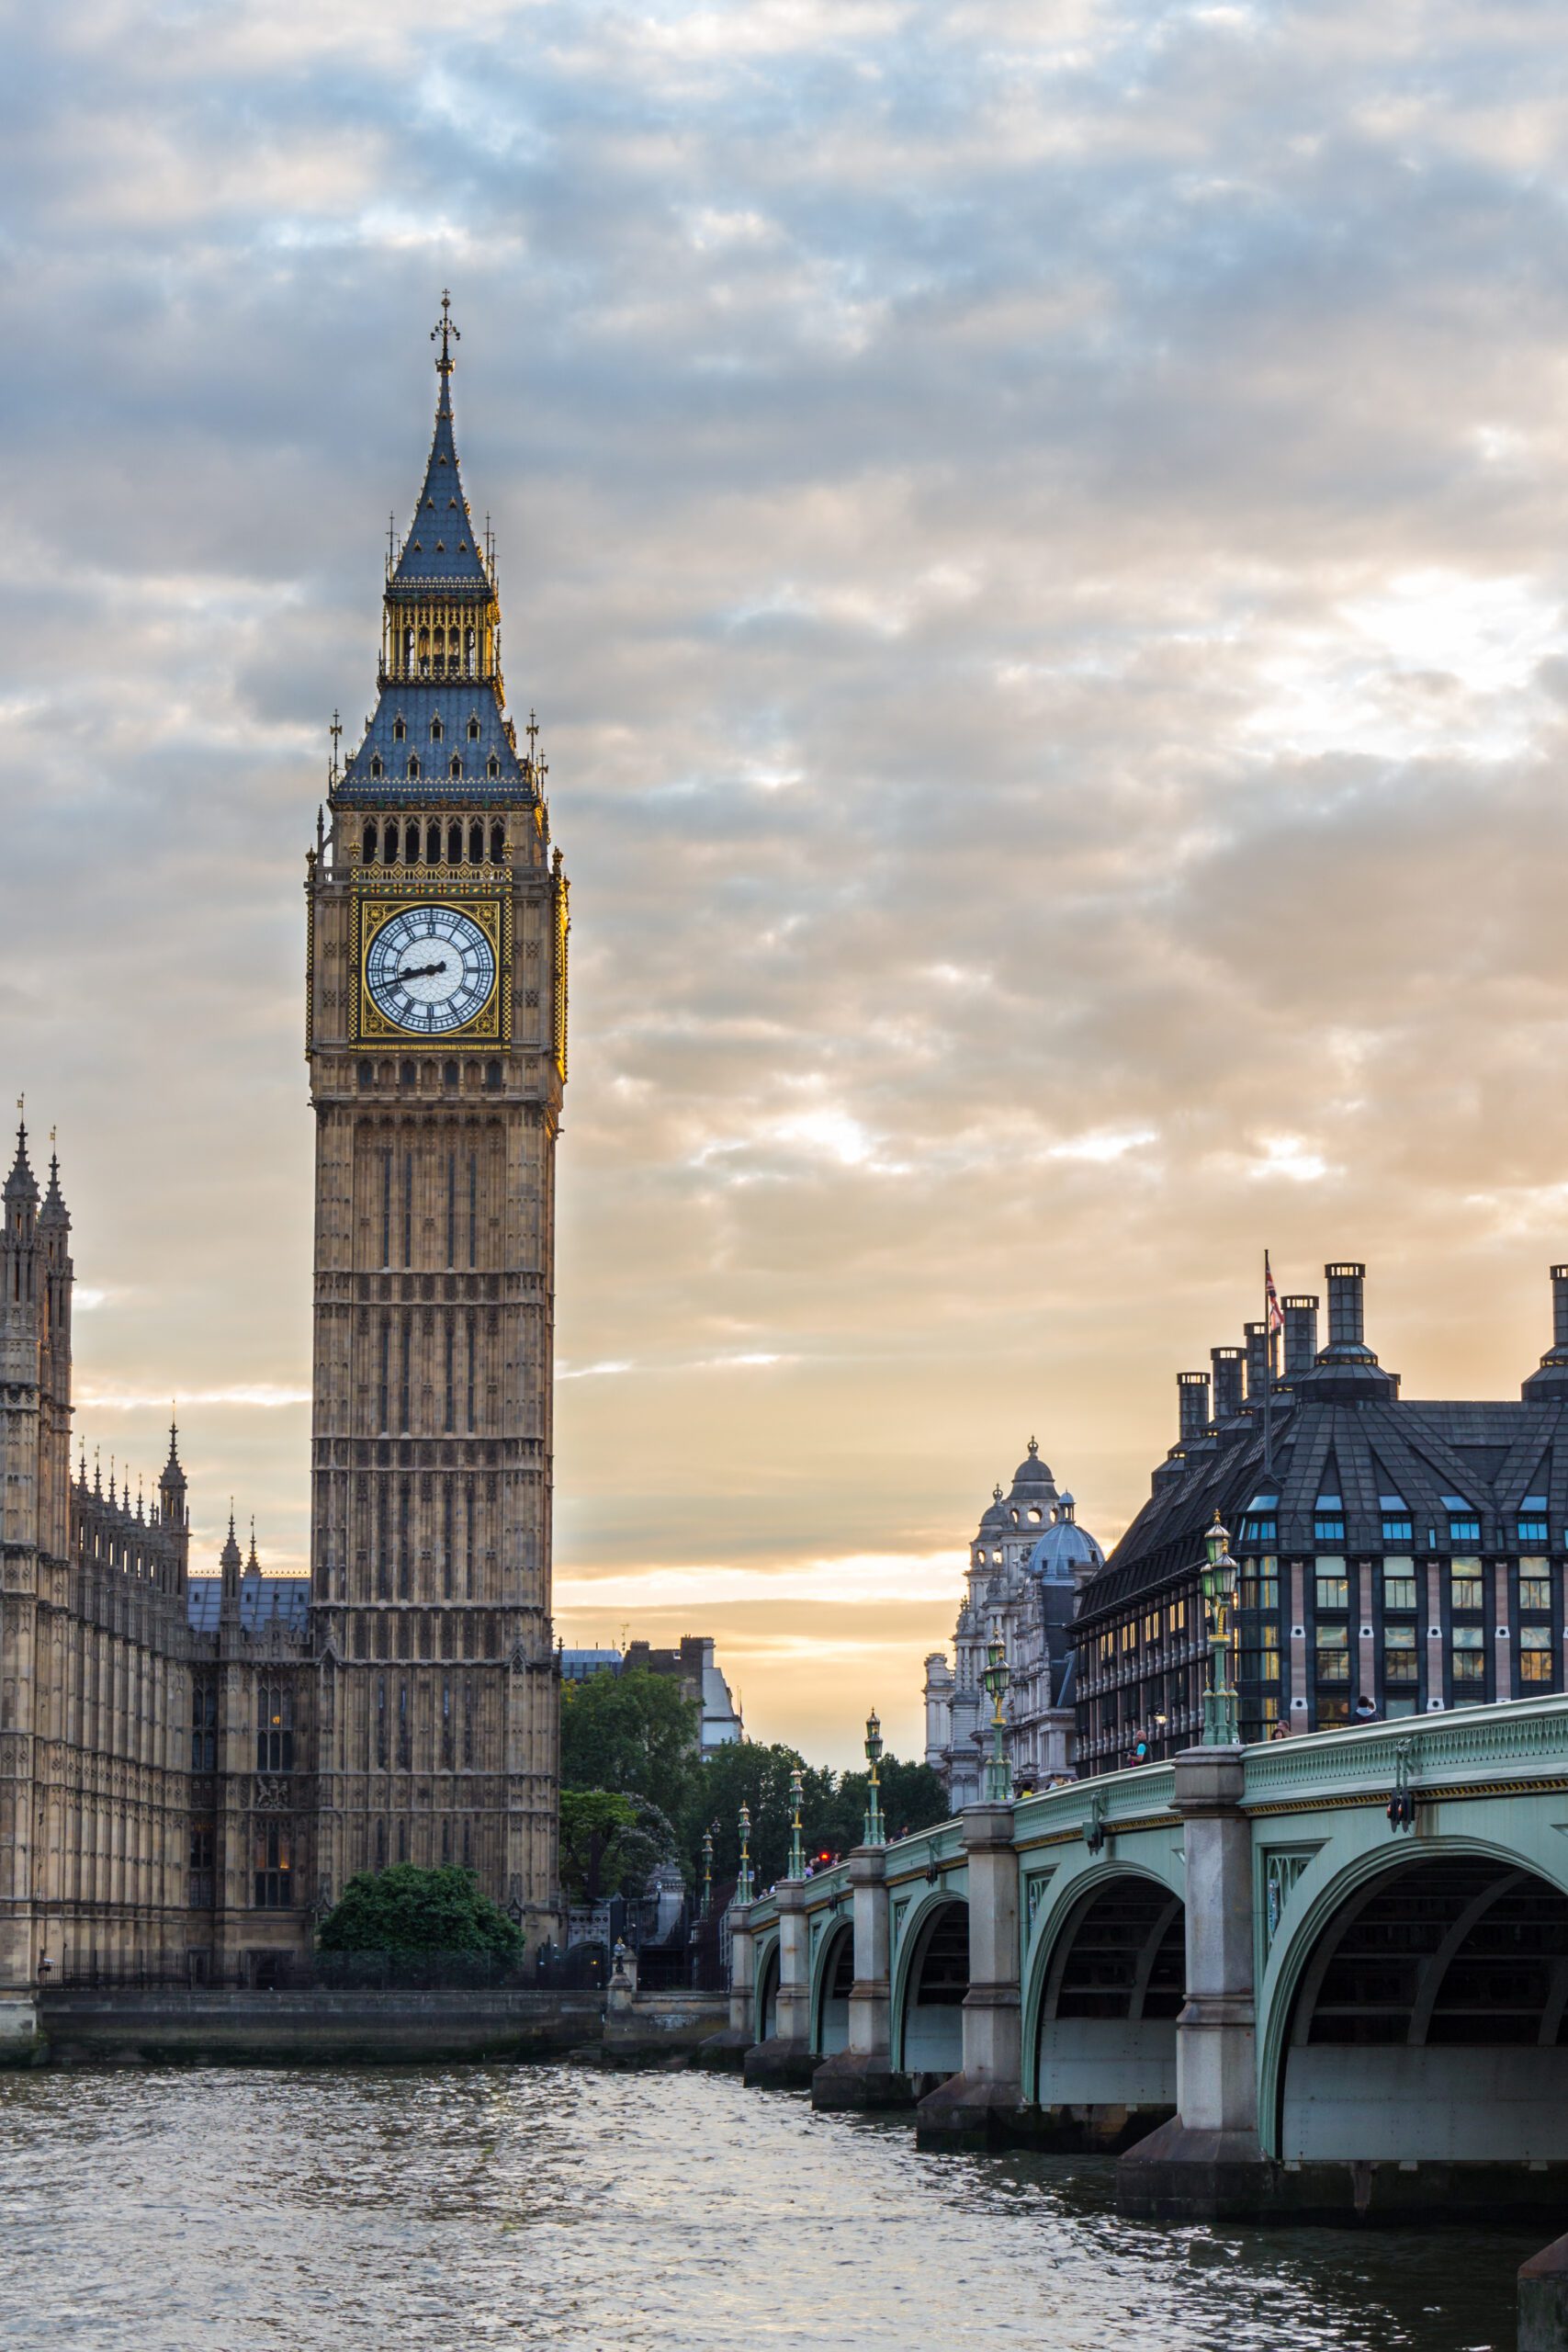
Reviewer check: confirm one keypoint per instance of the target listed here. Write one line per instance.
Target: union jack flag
(1273, 1310)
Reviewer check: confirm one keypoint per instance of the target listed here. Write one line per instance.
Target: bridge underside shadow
(1421, 2070)
(1105, 2047)
(1429, 2023)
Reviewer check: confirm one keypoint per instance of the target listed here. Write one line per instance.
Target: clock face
(430, 969)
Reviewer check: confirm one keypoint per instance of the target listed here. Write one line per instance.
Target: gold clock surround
(492, 1025)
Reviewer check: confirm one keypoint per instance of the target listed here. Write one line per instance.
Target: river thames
(442, 2210)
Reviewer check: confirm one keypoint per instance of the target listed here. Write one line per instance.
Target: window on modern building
(1534, 1530)
(1464, 1530)
(1535, 1653)
(1400, 1659)
(1259, 1531)
(1333, 1586)
(1397, 1530)
(272, 1867)
(1400, 1586)
(1261, 1656)
(1465, 1585)
(275, 1727)
(1331, 1712)
(1260, 1583)
(1328, 1527)
(1333, 1653)
(1535, 1584)
(1469, 1654)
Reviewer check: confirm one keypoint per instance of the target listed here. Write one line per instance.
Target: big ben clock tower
(437, 1043)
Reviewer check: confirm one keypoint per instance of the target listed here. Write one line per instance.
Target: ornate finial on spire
(1033, 1447)
(335, 731)
(448, 334)
(98, 1471)
(21, 1185)
(82, 1465)
(253, 1565)
(111, 1481)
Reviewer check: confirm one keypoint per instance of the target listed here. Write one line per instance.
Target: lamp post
(797, 1847)
(707, 1874)
(1221, 1725)
(743, 1875)
(993, 1682)
(875, 1834)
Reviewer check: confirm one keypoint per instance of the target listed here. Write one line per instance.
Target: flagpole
(1268, 1367)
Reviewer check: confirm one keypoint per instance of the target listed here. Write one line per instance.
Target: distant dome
(994, 1521)
(1032, 1478)
(1066, 1550)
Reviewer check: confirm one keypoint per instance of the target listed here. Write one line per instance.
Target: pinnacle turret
(21, 1184)
(54, 1211)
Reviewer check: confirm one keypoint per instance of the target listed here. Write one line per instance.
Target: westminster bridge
(1324, 1976)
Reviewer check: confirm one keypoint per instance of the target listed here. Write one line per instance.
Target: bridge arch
(830, 1980)
(765, 1988)
(930, 1979)
(1106, 1982)
(1420, 2008)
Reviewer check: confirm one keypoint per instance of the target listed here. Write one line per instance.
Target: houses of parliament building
(192, 1766)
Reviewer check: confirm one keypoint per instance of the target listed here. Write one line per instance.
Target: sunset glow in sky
(1038, 537)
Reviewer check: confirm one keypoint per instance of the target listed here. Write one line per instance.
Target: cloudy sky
(1038, 535)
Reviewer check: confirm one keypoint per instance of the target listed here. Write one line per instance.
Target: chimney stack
(1257, 1336)
(1347, 1332)
(1301, 1332)
(1226, 1364)
(1560, 1311)
(1192, 1405)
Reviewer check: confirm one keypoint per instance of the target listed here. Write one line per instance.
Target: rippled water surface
(448, 2208)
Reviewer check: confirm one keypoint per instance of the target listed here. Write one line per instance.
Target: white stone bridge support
(978, 2107)
(862, 2075)
(785, 2059)
(1209, 2154)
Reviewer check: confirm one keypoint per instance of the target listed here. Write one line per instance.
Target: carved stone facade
(436, 1043)
(130, 1837)
(191, 1768)
(1028, 1562)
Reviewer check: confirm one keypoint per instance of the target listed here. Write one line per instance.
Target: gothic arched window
(272, 1867)
(370, 839)
(473, 731)
(497, 842)
(433, 842)
(435, 731)
(476, 841)
(455, 763)
(413, 764)
(454, 843)
(275, 1727)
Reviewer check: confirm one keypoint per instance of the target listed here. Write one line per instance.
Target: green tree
(832, 1807)
(409, 1910)
(610, 1844)
(632, 1734)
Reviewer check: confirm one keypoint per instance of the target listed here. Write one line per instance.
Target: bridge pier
(1207, 2164)
(862, 2075)
(978, 2107)
(1543, 2299)
(725, 2053)
(785, 2061)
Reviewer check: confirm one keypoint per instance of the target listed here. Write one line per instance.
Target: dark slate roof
(439, 550)
(266, 1604)
(578, 1666)
(455, 702)
(1491, 1455)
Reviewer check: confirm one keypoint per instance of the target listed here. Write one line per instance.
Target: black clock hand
(420, 972)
